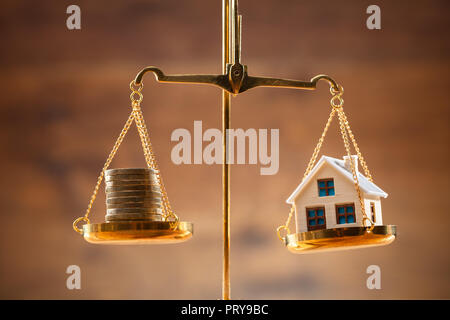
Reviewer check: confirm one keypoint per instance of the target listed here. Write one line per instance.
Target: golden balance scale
(138, 209)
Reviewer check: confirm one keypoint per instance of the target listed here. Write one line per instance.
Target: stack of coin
(133, 194)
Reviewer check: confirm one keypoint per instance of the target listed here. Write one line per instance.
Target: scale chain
(312, 161)
(355, 145)
(285, 227)
(151, 162)
(136, 116)
(113, 152)
(341, 116)
(148, 150)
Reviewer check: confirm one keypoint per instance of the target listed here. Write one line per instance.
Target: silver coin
(122, 177)
(134, 211)
(131, 205)
(134, 200)
(151, 188)
(111, 172)
(116, 183)
(147, 198)
(133, 217)
(134, 193)
(139, 193)
(127, 176)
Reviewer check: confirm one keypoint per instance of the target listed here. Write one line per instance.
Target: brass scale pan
(340, 239)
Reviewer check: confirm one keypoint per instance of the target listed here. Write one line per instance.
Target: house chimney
(348, 165)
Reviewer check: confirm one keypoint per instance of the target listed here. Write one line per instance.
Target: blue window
(326, 187)
(345, 213)
(316, 218)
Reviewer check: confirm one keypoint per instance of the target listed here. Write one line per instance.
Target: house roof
(366, 186)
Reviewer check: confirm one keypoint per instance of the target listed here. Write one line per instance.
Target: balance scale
(138, 208)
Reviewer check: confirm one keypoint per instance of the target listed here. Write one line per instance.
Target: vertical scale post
(226, 108)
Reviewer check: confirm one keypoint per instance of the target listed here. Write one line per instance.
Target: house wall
(344, 193)
(378, 215)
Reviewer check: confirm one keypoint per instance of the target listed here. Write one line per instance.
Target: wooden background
(65, 98)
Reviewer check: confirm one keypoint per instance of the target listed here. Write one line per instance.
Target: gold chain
(285, 227)
(169, 215)
(312, 161)
(102, 173)
(150, 158)
(343, 127)
(136, 116)
(355, 145)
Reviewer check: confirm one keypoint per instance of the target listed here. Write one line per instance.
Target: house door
(315, 218)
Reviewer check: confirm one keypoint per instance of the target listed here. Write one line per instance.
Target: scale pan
(340, 239)
(137, 232)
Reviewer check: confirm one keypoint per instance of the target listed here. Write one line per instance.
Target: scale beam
(236, 80)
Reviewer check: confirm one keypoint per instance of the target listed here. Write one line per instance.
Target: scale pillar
(227, 13)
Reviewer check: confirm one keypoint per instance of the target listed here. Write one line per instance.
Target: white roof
(366, 186)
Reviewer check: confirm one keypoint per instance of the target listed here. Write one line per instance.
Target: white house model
(327, 198)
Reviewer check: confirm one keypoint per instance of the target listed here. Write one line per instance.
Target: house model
(327, 198)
